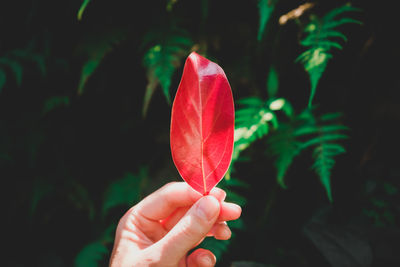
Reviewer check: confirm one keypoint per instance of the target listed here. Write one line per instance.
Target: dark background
(56, 164)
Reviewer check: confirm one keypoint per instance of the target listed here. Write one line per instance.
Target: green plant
(321, 37)
(167, 49)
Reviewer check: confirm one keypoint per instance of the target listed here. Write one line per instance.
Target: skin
(162, 228)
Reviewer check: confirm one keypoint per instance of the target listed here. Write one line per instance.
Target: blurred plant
(265, 9)
(95, 48)
(321, 38)
(124, 192)
(82, 9)
(164, 55)
(266, 120)
(13, 61)
(378, 207)
(304, 131)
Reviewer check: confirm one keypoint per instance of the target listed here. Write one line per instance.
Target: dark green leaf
(265, 8)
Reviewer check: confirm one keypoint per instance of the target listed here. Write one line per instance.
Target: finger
(193, 226)
(220, 231)
(174, 218)
(145, 231)
(229, 211)
(201, 258)
(160, 204)
(171, 220)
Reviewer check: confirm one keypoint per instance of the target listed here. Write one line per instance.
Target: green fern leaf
(125, 191)
(96, 48)
(331, 15)
(326, 148)
(161, 61)
(324, 155)
(320, 40)
(284, 145)
(82, 8)
(265, 8)
(254, 120)
(302, 132)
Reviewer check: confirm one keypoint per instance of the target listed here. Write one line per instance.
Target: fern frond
(265, 9)
(320, 40)
(95, 49)
(251, 123)
(303, 132)
(284, 144)
(331, 15)
(326, 148)
(161, 61)
(254, 120)
(324, 161)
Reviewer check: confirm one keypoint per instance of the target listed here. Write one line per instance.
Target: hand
(163, 227)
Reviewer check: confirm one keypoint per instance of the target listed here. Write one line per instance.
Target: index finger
(163, 202)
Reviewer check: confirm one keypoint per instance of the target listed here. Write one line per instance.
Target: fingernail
(233, 206)
(207, 260)
(226, 233)
(208, 207)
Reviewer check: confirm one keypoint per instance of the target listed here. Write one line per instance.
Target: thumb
(190, 230)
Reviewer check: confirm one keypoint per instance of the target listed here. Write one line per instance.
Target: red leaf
(202, 124)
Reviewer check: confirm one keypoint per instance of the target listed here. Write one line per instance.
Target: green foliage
(94, 253)
(91, 255)
(162, 59)
(322, 36)
(265, 9)
(82, 8)
(254, 120)
(305, 131)
(284, 145)
(14, 60)
(95, 48)
(125, 191)
(71, 130)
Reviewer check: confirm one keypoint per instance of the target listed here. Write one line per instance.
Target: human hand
(163, 227)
